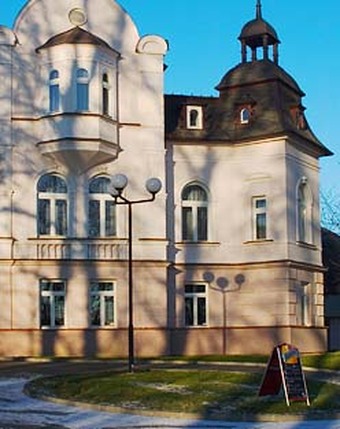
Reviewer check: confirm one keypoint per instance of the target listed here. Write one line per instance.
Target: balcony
(78, 141)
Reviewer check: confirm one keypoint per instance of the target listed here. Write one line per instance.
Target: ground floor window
(52, 303)
(102, 303)
(195, 305)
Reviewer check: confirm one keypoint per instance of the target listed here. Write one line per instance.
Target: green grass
(326, 361)
(329, 360)
(211, 394)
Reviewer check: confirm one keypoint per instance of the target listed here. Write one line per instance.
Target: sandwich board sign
(284, 369)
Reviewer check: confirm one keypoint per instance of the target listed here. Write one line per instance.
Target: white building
(227, 259)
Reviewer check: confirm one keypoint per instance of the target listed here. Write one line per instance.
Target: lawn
(215, 394)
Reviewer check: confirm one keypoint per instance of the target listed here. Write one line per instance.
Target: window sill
(306, 245)
(196, 327)
(200, 243)
(260, 241)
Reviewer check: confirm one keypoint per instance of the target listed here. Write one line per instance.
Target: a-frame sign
(284, 369)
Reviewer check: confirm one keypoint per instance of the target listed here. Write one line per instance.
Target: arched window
(52, 205)
(194, 213)
(54, 91)
(82, 90)
(245, 116)
(102, 209)
(304, 212)
(194, 117)
(105, 94)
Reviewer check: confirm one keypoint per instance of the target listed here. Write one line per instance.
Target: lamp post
(153, 186)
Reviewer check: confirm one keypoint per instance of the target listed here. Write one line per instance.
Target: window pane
(109, 314)
(52, 184)
(57, 286)
(44, 217)
(82, 96)
(82, 73)
(54, 98)
(59, 304)
(189, 311)
(201, 311)
(100, 185)
(187, 224)
(194, 193)
(110, 218)
(61, 217)
(45, 311)
(95, 310)
(94, 218)
(193, 118)
(261, 204)
(103, 286)
(202, 227)
(261, 226)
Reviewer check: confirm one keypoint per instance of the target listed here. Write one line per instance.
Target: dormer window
(194, 117)
(245, 116)
(54, 91)
(82, 90)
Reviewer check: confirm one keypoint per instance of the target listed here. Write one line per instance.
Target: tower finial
(258, 10)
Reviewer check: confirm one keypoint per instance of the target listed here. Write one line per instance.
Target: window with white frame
(54, 91)
(102, 303)
(105, 94)
(52, 303)
(195, 305)
(304, 212)
(245, 116)
(303, 304)
(194, 117)
(259, 218)
(52, 206)
(82, 89)
(102, 209)
(194, 213)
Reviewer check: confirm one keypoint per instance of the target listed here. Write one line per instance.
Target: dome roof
(253, 31)
(255, 72)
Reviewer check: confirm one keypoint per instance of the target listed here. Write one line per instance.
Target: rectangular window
(195, 305)
(54, 98)
(187, 224)
(94, 218)
(202, 223)
(82, 96)
(260, 218)
(44, 217)
(60, 217)
(110, 218)
(52, 303)
(102, 304)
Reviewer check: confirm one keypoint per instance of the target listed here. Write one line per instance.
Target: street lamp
(153, 186)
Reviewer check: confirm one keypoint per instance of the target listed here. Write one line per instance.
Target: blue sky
(203, 46)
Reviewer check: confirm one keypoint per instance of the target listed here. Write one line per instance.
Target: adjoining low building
(226, 260)
(331, 260)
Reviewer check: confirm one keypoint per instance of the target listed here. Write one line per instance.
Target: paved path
(17, 411)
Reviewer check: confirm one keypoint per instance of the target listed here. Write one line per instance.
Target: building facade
(226, 260)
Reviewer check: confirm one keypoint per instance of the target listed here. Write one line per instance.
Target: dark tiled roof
(273, 97)
(254, 72)
(75, 35)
